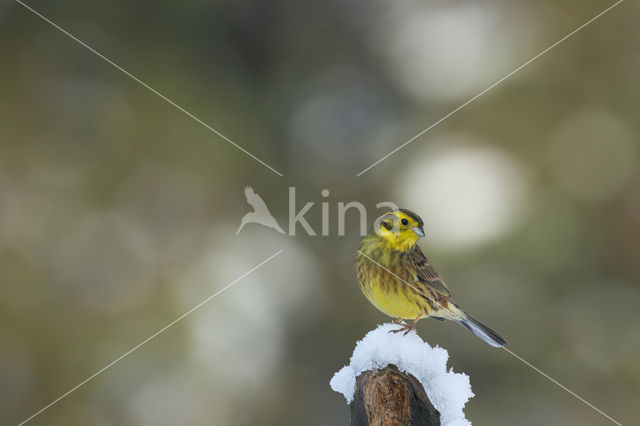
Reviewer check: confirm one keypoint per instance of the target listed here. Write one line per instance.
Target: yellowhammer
(398, 279)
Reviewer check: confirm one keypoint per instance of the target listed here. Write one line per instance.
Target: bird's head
(400, 229)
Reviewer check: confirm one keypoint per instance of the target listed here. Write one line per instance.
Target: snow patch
(448, 391)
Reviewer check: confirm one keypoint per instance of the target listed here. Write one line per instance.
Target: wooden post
(389, 397)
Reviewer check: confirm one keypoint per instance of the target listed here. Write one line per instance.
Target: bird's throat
(384, 250)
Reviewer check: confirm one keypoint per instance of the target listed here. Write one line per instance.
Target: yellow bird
(398, 279)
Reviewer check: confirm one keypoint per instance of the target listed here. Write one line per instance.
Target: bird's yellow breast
(396, 304)
(384, 290)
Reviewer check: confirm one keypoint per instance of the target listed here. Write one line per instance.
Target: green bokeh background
(118, 212)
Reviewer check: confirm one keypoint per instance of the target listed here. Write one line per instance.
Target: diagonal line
(512, 353)
(151, 89)
(562, 386)
(492, 86)
(91, 377)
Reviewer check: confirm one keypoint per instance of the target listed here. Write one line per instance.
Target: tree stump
(389, 397)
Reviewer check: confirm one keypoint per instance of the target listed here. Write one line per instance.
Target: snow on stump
(401, 380)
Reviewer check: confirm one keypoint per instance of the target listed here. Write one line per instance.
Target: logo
(261, 214)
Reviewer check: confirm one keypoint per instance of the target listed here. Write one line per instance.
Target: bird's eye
(405, 222)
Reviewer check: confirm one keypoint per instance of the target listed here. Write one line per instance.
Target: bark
(389, 397)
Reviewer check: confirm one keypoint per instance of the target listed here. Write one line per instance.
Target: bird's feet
(406, 327)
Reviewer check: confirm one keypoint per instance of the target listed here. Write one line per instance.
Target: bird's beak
(418, 230)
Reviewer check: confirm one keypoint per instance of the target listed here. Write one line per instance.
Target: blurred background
(118, 213)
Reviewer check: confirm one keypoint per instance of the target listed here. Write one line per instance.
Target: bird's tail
(476, 327)
(482, 331)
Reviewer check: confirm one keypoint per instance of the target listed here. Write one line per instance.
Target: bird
(397, 278)
(260, 213)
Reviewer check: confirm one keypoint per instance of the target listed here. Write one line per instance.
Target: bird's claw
(404, 327)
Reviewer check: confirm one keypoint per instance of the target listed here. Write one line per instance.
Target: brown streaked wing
(426, 274)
